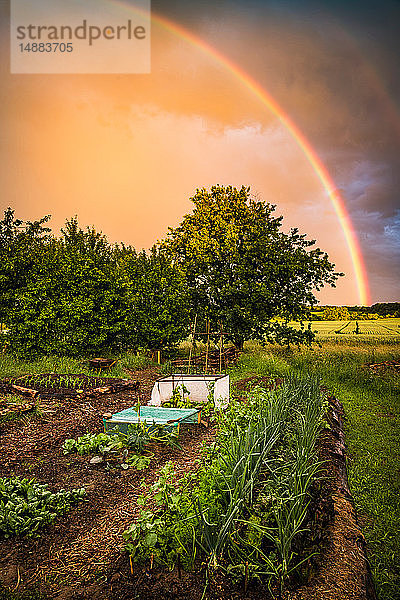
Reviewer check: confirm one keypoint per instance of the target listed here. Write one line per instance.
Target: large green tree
(242, 270)
(159, 300)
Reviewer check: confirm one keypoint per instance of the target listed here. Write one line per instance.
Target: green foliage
(138, 436)
(80, 295)
(50, 381)
(153, 533)
(336, 313)
(241, 270)
(386, 309)
(161, 434)
(264, 454)
(138, 462)
(136, 362)
(92, 442)
(179, 398)
(160, 301)
(27, 506)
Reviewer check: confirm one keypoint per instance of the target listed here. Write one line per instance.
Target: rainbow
(268, 101)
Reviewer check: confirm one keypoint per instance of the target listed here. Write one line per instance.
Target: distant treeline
(379, 309)
(386, 308)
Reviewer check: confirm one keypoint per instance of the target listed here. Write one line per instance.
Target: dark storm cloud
(333, 66)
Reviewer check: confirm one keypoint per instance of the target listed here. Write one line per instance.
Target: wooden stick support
(193, 342)
(208, 344)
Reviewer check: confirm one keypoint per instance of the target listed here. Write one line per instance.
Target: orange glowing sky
(125, 153)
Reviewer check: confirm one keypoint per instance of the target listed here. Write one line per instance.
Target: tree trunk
(239, 342)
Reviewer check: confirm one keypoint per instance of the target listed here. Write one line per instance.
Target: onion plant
(247, 504)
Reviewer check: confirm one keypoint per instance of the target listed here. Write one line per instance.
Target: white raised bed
(199, 387)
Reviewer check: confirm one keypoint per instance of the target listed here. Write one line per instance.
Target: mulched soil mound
(65, 386)
(82, 555)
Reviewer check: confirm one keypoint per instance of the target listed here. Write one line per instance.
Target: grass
(372, 409)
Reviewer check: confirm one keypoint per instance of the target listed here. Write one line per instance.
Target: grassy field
(10, 367)
(372, 406)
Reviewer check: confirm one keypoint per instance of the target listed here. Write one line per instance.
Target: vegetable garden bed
(197, 388)
(83, 554)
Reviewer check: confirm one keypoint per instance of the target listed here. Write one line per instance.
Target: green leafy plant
(155, 533)
(92, 442)
(179, 398)
(27, 506)
(138, 462)
(138, 436)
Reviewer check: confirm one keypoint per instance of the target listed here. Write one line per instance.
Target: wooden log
(101, 363)
(25, 391)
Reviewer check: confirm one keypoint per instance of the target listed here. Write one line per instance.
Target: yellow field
(386, 328)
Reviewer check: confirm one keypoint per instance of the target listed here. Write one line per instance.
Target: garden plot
(88, 540)
(83, 555)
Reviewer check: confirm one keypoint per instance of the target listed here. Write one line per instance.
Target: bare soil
(82, 555)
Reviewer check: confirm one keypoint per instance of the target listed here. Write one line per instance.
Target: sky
(126, 152)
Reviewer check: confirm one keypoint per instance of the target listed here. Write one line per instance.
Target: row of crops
(56, 381)
(378, 327)
(243, 513)
(26, 506)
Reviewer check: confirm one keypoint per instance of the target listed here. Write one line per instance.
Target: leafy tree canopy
(242, 270)
(336, 313)
(78, 294)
